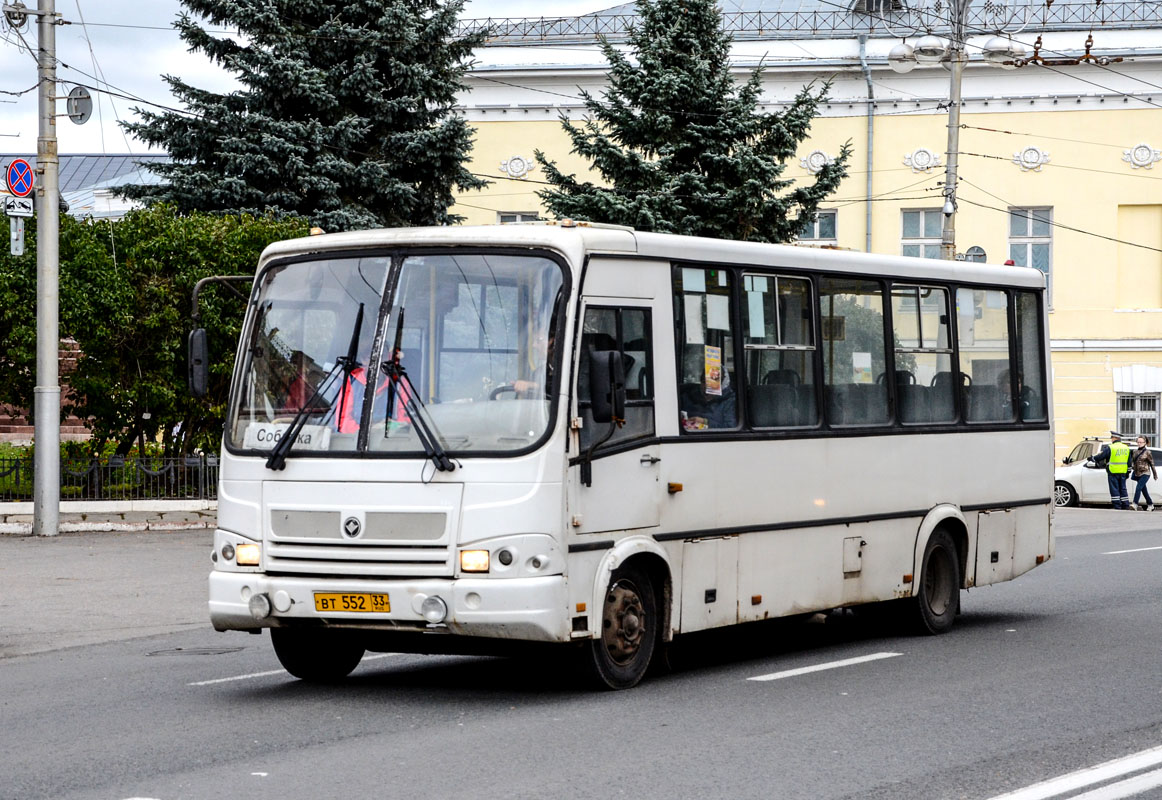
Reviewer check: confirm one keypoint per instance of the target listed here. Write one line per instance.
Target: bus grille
(386, 544)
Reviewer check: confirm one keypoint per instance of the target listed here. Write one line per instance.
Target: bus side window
(923, 355)
(628, 331)
(984, 354)
(779, 347)
(854, 365)
(1030, 359)
(707, 398)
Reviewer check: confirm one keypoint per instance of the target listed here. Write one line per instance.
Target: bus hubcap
(624, 618)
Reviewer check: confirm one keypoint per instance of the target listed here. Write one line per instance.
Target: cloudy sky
(127, 45)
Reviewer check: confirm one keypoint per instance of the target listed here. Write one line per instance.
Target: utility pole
(46, 491)
(957, 57)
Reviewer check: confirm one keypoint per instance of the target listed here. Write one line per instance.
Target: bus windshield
(459, 347)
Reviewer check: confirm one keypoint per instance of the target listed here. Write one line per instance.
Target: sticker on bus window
(754, 306)
(718, 312)
(861, 368)
(693, 280)
(265, 435)
(713, 358)
(693, 309)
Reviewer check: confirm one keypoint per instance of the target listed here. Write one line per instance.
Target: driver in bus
(351, 399)
(540, 381)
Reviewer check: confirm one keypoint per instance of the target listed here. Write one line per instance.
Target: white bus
(445, 439)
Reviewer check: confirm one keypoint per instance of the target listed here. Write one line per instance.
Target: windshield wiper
(397, 376)
(347, 364)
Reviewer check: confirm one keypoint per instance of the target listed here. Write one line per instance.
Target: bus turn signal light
(474, 561)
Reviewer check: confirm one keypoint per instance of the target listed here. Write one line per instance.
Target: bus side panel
(815, 569)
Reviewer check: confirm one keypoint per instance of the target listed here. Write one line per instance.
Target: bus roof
(578, 240)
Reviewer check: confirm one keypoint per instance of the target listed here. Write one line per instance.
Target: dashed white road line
(1136, 550)
(1055, 787)
(847, 662)
(275, 672)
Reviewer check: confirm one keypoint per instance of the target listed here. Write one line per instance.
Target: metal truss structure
(833, 24)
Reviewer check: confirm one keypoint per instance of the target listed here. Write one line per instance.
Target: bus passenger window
(1030, 354)
(852, 316)
(707, 397)
(779, 347)
(626, 330)
(923, 355)
(983, 333)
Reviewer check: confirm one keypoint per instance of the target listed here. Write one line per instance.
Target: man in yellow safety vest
(1115, 457)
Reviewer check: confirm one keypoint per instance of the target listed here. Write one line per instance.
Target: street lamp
(931, 49)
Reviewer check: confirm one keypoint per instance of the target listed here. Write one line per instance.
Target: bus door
(624, 488)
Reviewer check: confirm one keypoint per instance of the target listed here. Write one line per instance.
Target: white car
(1074, 482)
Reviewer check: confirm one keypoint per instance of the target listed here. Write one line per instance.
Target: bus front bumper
(529, 609)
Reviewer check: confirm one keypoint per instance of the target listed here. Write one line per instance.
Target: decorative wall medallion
(517, 166)
(922, 159)
(1142, 156)
(1031, 159)
(815, 161)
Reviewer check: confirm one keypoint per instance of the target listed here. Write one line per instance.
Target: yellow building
(1060, 166)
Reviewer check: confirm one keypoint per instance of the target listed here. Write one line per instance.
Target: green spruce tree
(681, 147)
(344, 116)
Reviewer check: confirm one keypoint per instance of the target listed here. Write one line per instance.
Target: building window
(1031, 241)
(1138, 416)
(921, 235)
(504, 217)
(821, 230)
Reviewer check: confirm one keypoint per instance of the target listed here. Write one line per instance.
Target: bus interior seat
(788, 377)
(983, 403)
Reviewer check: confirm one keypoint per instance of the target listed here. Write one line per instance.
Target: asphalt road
(1053, 673)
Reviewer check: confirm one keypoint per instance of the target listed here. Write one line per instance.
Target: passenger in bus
(703, 411)
(1026, 396)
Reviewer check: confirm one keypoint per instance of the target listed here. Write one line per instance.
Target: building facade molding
(1105, 345)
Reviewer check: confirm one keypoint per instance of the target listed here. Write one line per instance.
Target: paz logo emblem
(352, 528)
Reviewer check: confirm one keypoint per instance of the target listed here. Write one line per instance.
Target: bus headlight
(474, 561)
(247, 555)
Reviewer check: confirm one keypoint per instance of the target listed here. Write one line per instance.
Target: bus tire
(316, 655)
(937, 599)
(619, 657)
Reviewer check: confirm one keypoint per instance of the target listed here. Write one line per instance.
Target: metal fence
(116, 478)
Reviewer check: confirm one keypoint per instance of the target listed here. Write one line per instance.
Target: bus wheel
(938, 598)
(629, 630)
(316, 656)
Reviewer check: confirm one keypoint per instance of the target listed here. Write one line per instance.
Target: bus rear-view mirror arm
(197, 351)
(607, 397)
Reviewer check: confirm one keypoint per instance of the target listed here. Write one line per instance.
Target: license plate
(356, 602)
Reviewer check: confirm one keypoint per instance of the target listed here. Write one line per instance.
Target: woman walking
(1143, 463)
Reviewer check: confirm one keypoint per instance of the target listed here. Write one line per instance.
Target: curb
(25, 528)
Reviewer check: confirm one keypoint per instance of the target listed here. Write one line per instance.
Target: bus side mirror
(197, 362)
(606, 385)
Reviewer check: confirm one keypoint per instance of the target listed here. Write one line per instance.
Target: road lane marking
(847, 662)
(1056, 787)
(1127, 788)
(274, 672)
(1138, 550)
